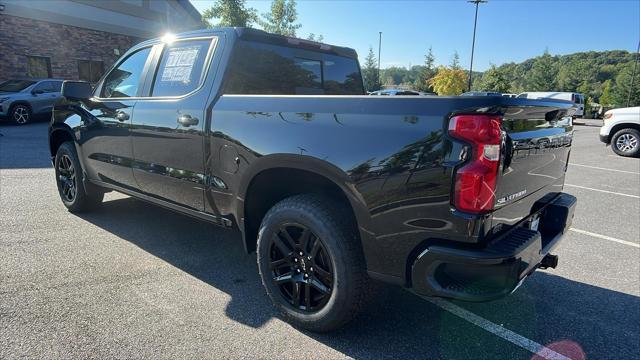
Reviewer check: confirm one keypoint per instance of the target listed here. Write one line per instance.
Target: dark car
(447, 196)
(22, 99)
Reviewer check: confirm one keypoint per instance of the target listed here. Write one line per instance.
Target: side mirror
(76, 90)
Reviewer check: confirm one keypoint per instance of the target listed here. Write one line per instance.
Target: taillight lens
(608, 115)
(475, 182)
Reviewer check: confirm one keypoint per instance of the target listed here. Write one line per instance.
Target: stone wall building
(81, 39)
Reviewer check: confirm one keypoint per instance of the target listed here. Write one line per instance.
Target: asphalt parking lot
(135, 281)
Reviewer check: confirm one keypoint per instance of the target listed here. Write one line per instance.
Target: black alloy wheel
(67, 179)
(301, 267)
(311, 262)
(76, 195)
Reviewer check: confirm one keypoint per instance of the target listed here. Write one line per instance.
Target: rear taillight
(608, 115)
(475, 182)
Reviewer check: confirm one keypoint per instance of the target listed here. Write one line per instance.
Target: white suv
(621, 129)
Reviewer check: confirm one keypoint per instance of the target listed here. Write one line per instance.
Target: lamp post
(379, 50)
(473, 44)
(633, 75)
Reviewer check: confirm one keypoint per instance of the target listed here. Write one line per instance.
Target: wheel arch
(285, 175)
(58, 134)
(622, 126)
(20, 102)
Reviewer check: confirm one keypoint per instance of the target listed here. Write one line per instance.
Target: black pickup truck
(455, 197)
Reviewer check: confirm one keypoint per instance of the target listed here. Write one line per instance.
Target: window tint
(47, 86)
(15, 85)
(181, 68)
(123, 81)
(258, 68)
(342, 76)
(57, 86)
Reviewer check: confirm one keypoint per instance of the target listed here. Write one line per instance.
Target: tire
(626, 142)
(74, 195)
(338, 261)
(20, 114)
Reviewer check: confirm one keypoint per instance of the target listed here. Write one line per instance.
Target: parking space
(134, 280)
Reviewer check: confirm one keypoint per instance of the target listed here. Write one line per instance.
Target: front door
(106, 139)
(44, 95)
(168, 126)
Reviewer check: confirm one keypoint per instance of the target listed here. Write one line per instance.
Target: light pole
(633, 75)
(379, 50)
(473, 45)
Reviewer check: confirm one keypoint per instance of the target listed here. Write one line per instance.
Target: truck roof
(265, 37)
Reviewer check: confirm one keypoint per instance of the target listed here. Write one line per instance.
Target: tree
(455, 62)
(623, 88)
(315, 38)
(542, 76)
(230, 13)
(449, 81)
(605, 99)
(426, 73)
(282, 18)
(495, 80)
(370, 72)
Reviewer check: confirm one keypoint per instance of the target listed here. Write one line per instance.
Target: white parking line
(607, 169)
(498, 330)
(604, 191)
(605, 237)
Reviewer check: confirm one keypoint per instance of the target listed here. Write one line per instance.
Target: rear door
(169, 124)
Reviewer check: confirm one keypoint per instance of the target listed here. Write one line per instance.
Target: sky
(508, 30)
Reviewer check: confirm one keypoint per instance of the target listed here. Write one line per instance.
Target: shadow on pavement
(397, 323)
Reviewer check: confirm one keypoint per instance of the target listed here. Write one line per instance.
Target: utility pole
(633, 76)
(379, 50)
(473, 44)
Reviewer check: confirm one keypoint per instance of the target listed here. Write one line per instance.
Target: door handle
(187, 120)
(122, 116)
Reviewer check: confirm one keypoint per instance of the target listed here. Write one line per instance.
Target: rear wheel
(626, 142)
(311, 263)
(73, 193)
(20, 114)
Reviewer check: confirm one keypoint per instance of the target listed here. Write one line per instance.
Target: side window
(44, 87)
(342, 76)
(181, 68)
(56, 86)
(258, 68)
(123, 81)
(310, 75)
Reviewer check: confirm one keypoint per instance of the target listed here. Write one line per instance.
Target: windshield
(15, 85)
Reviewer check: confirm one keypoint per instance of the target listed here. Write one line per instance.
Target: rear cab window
(260, 68)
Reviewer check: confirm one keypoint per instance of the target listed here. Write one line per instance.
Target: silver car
(21, 99)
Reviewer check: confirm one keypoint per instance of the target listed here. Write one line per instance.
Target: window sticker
(180, 64)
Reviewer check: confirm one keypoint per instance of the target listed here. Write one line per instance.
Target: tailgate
(535, 150)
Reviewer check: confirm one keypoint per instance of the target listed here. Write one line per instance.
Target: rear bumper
(499, 268)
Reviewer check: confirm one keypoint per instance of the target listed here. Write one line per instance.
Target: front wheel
(626, 142)
(311, 262)
(73, 193)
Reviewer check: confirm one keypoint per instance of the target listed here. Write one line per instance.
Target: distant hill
(603, 76)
